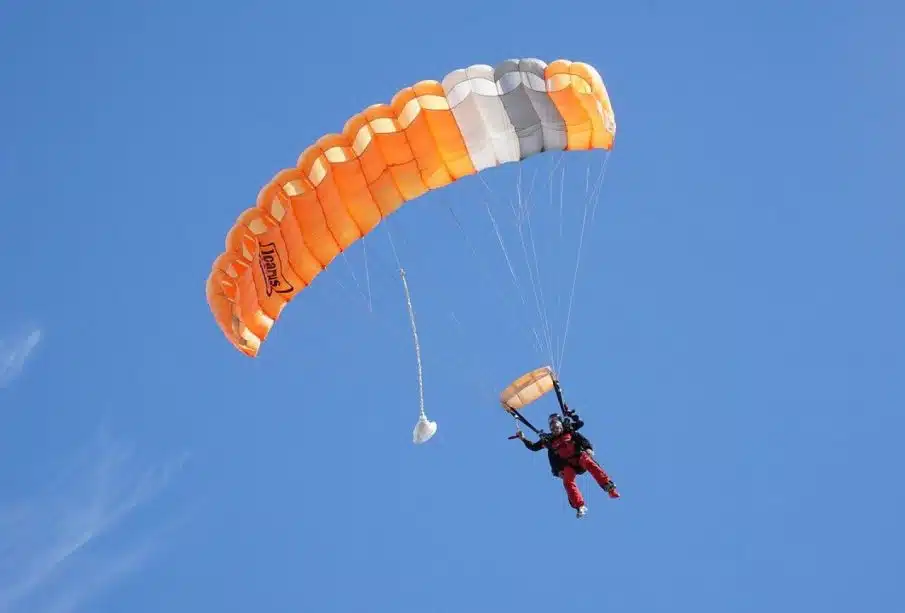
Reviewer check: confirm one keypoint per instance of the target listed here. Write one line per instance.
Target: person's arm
(575, 420)
(572, 416)
(532, 446)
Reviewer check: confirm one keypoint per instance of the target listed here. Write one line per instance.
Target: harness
(559, 446)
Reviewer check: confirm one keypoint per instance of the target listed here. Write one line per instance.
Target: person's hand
(520, 435)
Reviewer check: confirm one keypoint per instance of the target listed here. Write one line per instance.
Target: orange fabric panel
(234, 276)
(236, 263)
(599, 107)
(430, 164)
(393, 143)
(222, 307)
(446, 134)
(318, 169)
(374, 164)
(580, 103)
(243, 242)
(278, 205)
(568, 102)
(309, 215)
(276, 281)
(351, 186)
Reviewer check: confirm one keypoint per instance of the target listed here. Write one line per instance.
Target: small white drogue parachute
(528, 388)
(424, 430)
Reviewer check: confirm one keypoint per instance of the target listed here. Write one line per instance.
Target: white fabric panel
(478, 109)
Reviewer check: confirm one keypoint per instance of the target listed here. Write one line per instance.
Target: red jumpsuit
(568, 459)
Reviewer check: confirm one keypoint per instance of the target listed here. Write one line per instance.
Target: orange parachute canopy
(431, 134)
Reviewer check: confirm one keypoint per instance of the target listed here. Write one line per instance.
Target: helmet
(556, 423)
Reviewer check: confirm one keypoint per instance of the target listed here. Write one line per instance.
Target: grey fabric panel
(522, 114)
(554, 125)
(537, 122)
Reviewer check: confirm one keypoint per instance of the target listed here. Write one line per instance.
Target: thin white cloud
(14, 352)
(61, 548)
(106, 570)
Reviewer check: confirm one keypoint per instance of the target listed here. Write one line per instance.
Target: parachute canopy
(527, 388)
(430, 135)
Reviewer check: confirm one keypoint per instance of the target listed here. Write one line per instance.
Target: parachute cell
(430, 135)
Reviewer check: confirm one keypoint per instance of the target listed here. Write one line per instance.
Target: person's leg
(576, 500)
(600, 476)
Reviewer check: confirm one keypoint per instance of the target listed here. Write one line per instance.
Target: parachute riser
(558, 389)
(521, 418)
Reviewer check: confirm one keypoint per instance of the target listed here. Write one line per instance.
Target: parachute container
(527, 388)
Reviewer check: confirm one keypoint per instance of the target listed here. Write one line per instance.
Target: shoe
(611, 490)
(580, 512)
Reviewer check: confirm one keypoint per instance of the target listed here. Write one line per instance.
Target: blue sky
(736, 347)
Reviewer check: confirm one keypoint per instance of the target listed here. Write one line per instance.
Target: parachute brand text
(272, 269)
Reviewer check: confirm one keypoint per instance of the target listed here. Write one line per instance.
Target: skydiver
(570, 454)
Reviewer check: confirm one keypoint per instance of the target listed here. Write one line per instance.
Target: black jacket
(570, 426)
